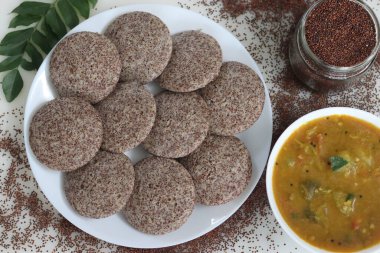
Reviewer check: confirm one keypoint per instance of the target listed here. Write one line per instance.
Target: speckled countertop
(29, 223)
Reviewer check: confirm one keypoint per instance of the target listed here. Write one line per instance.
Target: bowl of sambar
(323, 181)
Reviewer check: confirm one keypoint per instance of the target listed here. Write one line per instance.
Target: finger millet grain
(340, 32)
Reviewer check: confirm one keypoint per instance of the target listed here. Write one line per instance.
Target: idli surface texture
(182, 123)
(144, 44)
(195, 62)
(65, 133)
(221, 169)
(163, 197)
(102, 187)
(235, 98)
(86, 65)
(128, 115)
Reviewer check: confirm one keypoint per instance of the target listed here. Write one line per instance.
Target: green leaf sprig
(44, 25)
(337, 162)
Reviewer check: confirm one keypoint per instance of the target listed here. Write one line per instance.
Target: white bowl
(359, 114)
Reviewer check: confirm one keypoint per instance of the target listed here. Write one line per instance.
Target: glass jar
(319, 75)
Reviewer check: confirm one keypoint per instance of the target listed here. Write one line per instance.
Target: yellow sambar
(326, 183)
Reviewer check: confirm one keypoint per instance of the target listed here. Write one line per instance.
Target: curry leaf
(52, 39)
(55, 23)
(12, 49)
(68, 14)
(32, 8)
(337, 162)
(12, 85)
(83, 6)
(10, 63)
(27, 65)
(24, 20)
(26, 47)
(41, 40)
(17, 36)
(34, 55)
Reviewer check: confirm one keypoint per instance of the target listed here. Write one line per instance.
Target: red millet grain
(340, 32)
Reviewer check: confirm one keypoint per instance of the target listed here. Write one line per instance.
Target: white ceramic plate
(115, 229)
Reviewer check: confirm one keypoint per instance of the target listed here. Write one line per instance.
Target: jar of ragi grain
(335, 43)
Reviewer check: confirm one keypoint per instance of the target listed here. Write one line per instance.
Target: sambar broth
(326, 183)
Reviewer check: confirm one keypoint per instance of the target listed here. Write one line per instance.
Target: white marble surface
(22, 204)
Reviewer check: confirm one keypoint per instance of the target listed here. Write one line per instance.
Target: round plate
(115, 229)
